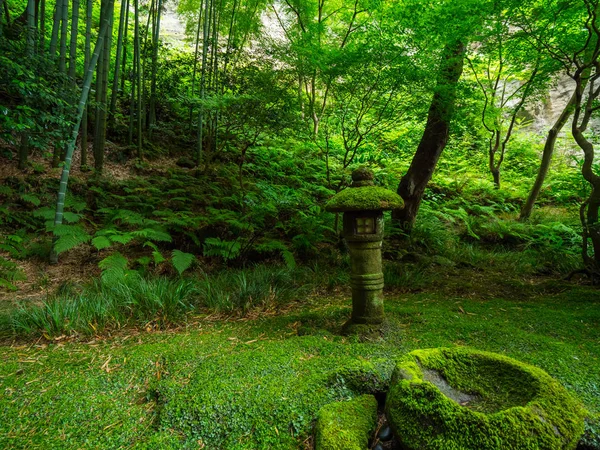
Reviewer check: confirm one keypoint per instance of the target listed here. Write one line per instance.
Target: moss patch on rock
(468, 399)
(366, 198)
(346, 425)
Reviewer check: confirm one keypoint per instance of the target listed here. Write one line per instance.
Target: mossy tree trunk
(435, 137)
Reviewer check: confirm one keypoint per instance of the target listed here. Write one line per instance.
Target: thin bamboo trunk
(115, 84)
(101, 110)
(30, 27)
(156, 38)
(73, 44)
(86, 64)
(55, 27)
(195, 63)
(87, 82)
(42, 37)
(143, 51)
(138, 74)
(1, 6)
(125, 43)
(205, 32)
(64, 26)
(23, 150)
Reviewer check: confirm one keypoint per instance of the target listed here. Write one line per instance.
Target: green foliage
(9, 273)
(122, 298)
(224, 249)
(114, 268)
(69, 237)
(182, 261)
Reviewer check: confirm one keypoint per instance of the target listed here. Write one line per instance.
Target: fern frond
(182, 261)
(114, 268)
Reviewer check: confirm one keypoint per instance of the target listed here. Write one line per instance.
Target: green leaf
(101, 242)
(113, 267)
(288, 258)
(182, 261)
(29, 198)
(158, 257)
(71, 217)
(69, 236)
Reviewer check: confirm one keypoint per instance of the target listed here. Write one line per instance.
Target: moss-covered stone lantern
(363, 205)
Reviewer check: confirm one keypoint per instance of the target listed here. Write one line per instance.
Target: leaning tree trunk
(87, 82)
(546, 159)
(435, 136)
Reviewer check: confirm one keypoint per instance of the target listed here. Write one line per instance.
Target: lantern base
(364, 331)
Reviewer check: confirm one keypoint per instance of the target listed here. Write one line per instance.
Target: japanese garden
(300, 224)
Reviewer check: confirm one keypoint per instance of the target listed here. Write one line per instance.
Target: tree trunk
(125, 43)
(62, 62)
(1, 7)
(86, 64)
(115, 84)
(23, 151)
(73, 44)
(102, 87)
(205, 33)
(42, 40)
(87, 82)
(55, 27)
(138, 76)
(152, 108)
(435, 136)
(30, 27)
(546, 158)
(195, 63)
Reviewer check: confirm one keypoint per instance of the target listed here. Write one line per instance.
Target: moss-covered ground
(259, 383)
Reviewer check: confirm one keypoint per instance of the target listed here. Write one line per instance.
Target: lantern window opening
(365, 225)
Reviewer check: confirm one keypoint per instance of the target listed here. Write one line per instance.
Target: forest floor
(258, 381)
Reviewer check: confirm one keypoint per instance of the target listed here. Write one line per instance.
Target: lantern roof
(363, 195)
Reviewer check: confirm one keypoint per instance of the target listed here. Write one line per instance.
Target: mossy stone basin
(459, 398)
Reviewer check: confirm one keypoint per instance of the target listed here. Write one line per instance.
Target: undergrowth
(160, 302)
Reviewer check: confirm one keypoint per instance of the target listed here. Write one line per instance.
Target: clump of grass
(244, 290)
(101, 306)
(161, 302)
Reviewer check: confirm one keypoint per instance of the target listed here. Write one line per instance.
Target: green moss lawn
(259, 383)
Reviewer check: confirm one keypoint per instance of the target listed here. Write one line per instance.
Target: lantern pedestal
(365, 260)
(363, 204)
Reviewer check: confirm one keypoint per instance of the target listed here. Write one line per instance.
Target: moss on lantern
(365, 198)
(468, 399)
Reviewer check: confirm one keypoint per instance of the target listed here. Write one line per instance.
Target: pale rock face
(545, 112)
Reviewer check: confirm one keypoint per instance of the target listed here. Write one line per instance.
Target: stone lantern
(363, 204)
